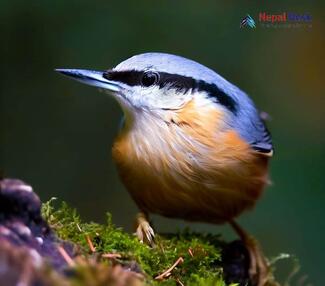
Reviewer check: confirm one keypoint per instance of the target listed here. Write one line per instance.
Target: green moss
(200, 265)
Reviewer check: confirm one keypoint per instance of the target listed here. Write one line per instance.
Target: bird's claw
(144, 231)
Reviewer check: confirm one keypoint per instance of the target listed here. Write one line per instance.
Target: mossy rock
(200, 253)
(45, 245)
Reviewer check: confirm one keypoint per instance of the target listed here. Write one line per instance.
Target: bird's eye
(149, 78)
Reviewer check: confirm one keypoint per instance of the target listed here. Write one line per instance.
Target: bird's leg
(259, 267)
(144, 231)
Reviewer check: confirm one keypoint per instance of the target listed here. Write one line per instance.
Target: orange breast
(189, 166)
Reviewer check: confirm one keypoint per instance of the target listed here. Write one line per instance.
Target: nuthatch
(192, 146)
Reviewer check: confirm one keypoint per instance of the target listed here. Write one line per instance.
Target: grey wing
(252, 128)
(245, 118)
(262, 141)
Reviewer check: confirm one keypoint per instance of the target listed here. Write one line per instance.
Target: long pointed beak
(94, 78)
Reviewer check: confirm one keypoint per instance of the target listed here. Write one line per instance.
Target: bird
(192, 145)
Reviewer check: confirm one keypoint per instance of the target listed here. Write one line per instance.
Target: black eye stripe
(131, 78)
(219, 95)
(178, 82)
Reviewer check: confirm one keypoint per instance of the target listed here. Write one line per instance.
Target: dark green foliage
(201, 253)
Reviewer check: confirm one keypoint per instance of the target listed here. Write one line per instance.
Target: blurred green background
(56, 134)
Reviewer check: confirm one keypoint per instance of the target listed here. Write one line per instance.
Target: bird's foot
(144, 231)
(259, 269)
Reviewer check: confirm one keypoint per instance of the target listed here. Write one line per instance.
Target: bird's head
(163, 88)
(157, 83)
